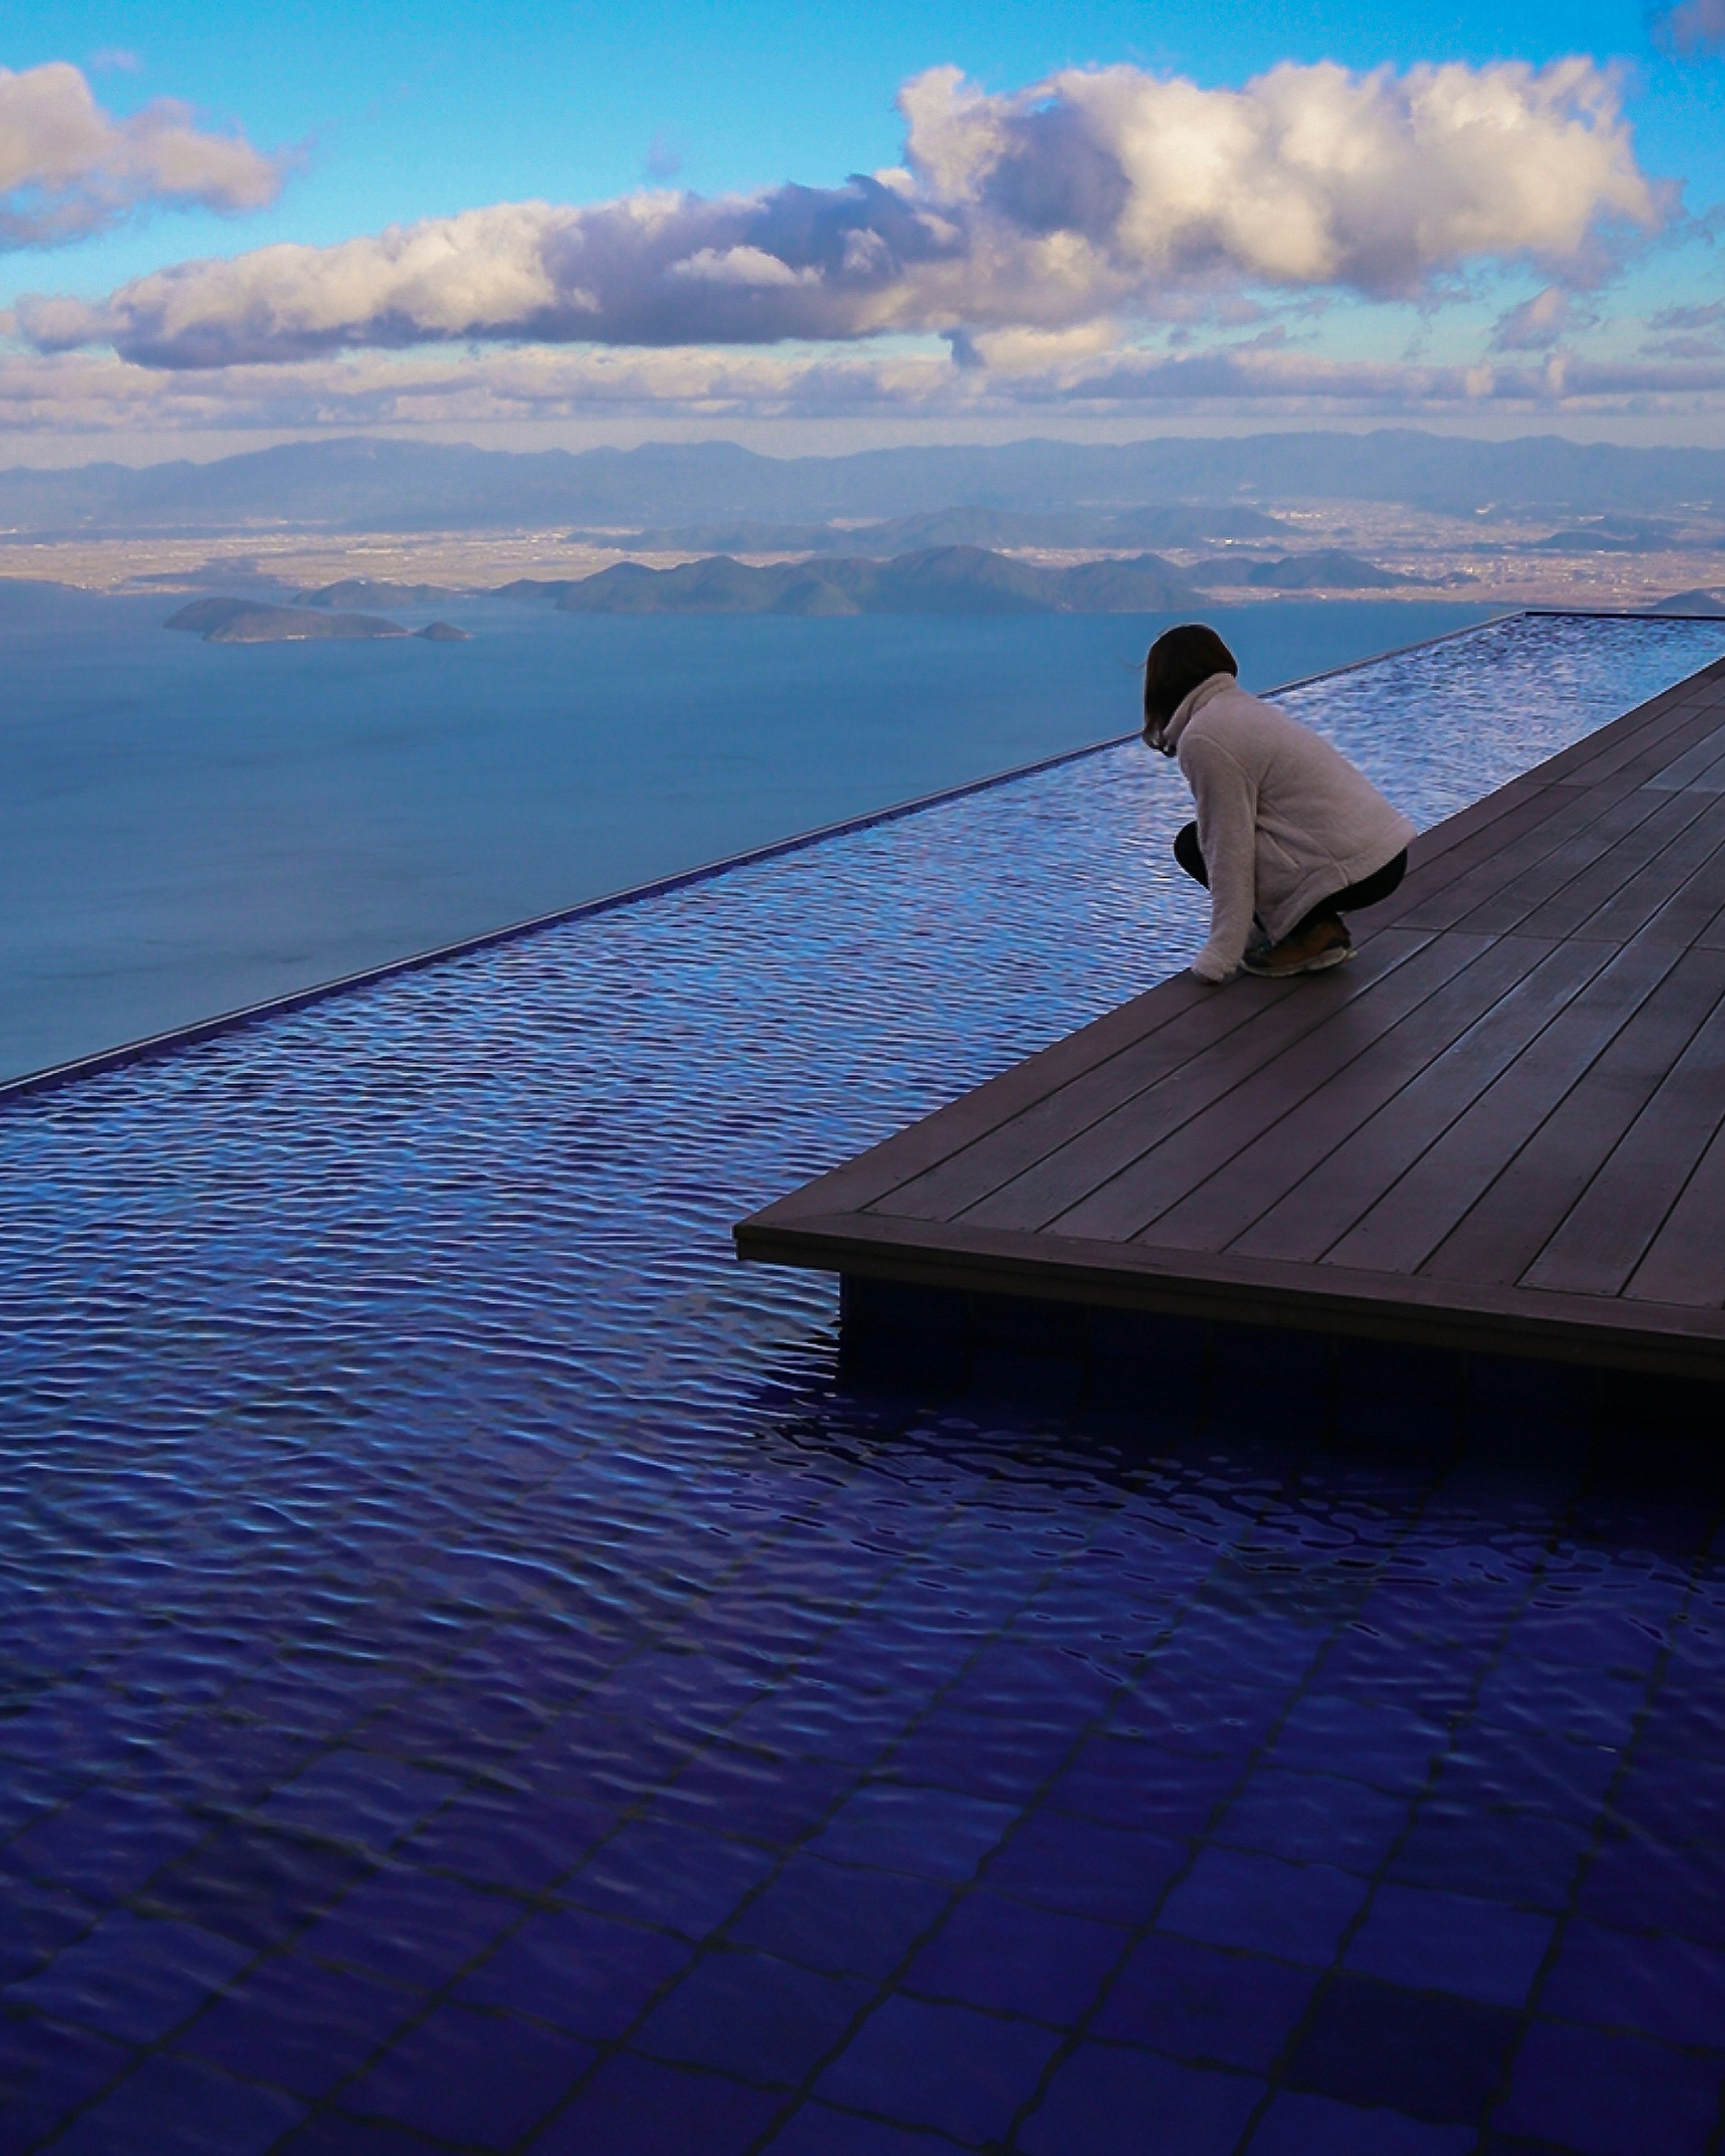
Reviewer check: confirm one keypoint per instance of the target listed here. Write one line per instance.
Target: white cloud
(1029, 375)
(1099, 193)
(68, 168)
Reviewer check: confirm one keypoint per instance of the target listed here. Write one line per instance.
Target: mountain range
(366, 484)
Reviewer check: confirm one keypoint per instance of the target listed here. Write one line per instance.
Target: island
(252, 621)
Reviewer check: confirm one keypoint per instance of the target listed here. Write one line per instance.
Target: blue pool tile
(358, 1796)
(816, 2129)
(1529, 1857)
(107, 1842)
(1390, 1747)
(187, 2107)
(1454, 1943)
(131, 1978)
(1200, 2002)
(1009, 1677)
(465, 2076)
(39, 1921)
(1144, 1786)
(1666, 1987)
(963, 2073)
(1017, 1959)
(1638, 1884)
(757, 1795)
(835, 1916)
(582, 1972)
(749, 2015)
(934, 1834)
(1107, 2100)
(1236, 1898)
(1598, 1706)
(659, 1871)
(831, 1720)
(982, 1754)
(297, 2024)
(333, 2133)
(1430, 2056)
(1317, 2126)
(1062, 1862)
(1568, 1776)
(1612, 2096)
(46, 2070)
(254, 1886)
(637, 2107)
(1315, 1818)
(511, 1840)
(410, 1926)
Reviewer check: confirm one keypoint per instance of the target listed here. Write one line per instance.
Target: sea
(186, 829)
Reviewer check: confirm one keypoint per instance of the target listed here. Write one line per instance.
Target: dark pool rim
(151, 1045)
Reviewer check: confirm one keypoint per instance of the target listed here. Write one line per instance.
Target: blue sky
(358, 118)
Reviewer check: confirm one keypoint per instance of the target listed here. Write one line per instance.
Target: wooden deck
(1500, 1130)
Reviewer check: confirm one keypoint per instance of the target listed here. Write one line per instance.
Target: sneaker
(1312, 950)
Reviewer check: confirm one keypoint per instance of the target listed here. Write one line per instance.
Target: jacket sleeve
(1227, 831)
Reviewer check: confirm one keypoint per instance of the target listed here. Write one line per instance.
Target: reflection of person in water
(1289, 835)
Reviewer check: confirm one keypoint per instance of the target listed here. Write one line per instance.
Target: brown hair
(1179, 660)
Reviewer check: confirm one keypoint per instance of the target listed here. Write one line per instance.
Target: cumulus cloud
(1101, 192)
(68, 168)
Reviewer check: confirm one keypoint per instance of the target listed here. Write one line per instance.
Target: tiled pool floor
(474, 1680)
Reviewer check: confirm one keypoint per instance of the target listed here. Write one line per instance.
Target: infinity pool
(475, 1680)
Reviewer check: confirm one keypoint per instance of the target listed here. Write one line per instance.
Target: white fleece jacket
(1284, 820)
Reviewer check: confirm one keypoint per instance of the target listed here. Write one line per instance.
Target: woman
(1288, 833)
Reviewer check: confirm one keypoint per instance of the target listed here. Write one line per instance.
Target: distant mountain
(249, 621)
(1325, 569)
(360, 483)
(961, 580)
(1707, 603)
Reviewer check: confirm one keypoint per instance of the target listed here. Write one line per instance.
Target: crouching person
(1289, 837)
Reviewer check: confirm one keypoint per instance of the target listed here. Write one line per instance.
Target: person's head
(1179, 660)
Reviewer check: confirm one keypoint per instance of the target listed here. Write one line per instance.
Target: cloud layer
(68, 168)
(1101, 193)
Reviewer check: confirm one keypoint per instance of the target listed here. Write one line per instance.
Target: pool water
(475, 1679)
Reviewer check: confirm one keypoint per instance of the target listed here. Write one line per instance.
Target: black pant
(1369, 890)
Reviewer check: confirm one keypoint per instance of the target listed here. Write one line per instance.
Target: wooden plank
(1702, 768)
(1678, 893)
(1047, 1186)
(1130, 1101)
(1605, 840)
(1436, 860)
(1685, 1262)
(1581, 810)
(1607, 1233)
(1278, 1152)
(1065, 1113)
(1650, 849)
(1505, 1231)
(1320, 1208)
(1409, 1220)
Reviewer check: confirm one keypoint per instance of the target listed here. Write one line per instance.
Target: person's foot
(1310, 950)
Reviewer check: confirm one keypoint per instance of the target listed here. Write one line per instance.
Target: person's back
(1287, 830)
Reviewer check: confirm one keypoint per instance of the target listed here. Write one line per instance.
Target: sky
(823, 228)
